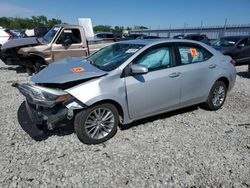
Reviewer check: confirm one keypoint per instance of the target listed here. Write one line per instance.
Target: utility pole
(157, 33)
(184, 29)
(201, 25)
(225, 27)
(169, 31)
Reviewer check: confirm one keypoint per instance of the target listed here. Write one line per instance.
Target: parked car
(178, 37)
(61, 41)
(238, 47)
(133, 36)
(106, 36)
(40, 31)
(17, 33)
(148, 37)
(197, 37)
(6, 35)
(127, 81)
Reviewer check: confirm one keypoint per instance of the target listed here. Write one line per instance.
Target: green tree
(4, 21)
(128, 28)
(15, 25)
(53, 22)
(118, 29)
(28, 23)
(102, 28)
(40, 21)
(140, 27)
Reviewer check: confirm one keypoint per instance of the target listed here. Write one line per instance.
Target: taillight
(233, 62)
(10, 36)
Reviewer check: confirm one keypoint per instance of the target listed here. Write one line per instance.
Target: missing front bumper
(48, 105)
(50, 116)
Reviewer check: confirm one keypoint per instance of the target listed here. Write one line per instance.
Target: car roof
(194, 34)
(157, 41)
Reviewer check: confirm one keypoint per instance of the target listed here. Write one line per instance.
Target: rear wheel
(96, 124)
(217, 96)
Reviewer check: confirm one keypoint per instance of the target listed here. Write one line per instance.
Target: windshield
(111, 57)
(226, 42)
(50, 34)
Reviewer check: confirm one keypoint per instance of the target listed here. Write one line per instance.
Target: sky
(154, 14)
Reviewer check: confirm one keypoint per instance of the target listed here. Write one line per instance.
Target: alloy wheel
(99, 123)
(218, 96)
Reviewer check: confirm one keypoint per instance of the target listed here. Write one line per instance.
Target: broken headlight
(43, 96)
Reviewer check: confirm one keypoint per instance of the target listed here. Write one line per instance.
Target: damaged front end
(9, 52)
(47, 105)
(46, 98)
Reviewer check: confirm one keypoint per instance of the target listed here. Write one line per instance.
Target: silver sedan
(127, 81)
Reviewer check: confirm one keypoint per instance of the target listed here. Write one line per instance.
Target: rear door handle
(174, 75)
(212, 66)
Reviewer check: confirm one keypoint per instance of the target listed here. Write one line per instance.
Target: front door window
(72, 34)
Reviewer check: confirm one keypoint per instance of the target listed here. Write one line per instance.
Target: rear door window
(193, 54)
(248, 42)
(244, 42)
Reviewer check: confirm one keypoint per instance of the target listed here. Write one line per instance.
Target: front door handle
(175, 74)
(212, 66)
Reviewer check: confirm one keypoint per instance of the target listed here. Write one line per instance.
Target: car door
(159, 89)
(243, 55)
(196, 72)
(76, 47)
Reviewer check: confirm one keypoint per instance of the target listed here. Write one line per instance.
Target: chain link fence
(212, 32)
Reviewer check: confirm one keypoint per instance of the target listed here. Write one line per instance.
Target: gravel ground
(186, 148)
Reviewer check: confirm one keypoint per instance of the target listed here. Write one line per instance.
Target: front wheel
(39, 65)
(217, 96)
(96, 124)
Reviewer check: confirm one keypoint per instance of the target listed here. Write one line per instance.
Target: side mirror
(66, 42)
(138, 69)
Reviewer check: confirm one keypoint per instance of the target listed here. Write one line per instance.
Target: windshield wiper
(91, 62)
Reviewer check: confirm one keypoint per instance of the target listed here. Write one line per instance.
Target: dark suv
(197, 37)
(106, 36)
(238, 47)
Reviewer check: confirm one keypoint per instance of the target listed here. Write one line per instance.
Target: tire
(217, 96)
(91, 130)
(29, 71)
(39, 65)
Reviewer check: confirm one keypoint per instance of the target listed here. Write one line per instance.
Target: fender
(41, 51)
(94, 91)
(222, 76)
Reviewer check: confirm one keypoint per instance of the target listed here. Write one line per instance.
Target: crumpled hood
(20, 42)
(67, 70)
